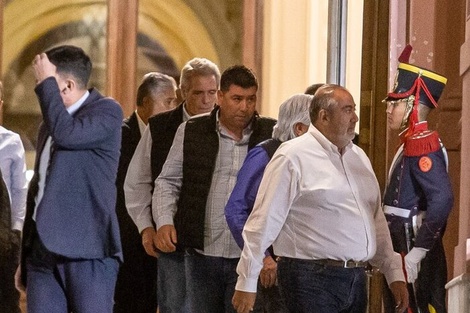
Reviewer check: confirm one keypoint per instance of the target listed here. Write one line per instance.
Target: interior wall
(295, 35)
(170, 33)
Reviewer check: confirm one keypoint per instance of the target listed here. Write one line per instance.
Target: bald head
(333, 113)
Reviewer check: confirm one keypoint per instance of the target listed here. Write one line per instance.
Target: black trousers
(429, 288)
(9, 295)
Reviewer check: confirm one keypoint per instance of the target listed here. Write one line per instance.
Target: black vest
(270, 146)
(163, 128)
(201, 145)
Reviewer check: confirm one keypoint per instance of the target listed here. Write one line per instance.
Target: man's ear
(70, 84)
(299, 128)
(323, 116)
(220, 96)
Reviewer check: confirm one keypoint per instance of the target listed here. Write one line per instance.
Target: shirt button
(396, 189)
(395, 202)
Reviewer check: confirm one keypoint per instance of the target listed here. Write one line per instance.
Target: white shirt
(315, 203)
(12, 163)
(138, 185)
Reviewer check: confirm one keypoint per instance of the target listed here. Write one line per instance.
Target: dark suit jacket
(76, 217)
(130, 236)
(130, 139)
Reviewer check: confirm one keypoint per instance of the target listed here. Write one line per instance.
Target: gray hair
(292, 111)
(154, 83)
(197, 67)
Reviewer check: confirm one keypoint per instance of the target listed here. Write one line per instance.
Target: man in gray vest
(199, 83)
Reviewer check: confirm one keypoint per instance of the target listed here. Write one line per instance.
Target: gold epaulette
(422, 143)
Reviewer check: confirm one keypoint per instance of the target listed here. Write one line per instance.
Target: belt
(337, 263)
(329, 262)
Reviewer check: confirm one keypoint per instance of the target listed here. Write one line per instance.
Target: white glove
(412, 260)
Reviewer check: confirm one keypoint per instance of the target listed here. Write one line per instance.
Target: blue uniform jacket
(419, 181)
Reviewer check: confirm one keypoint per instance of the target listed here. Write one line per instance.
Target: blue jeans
(210, 283)
(171, 283)
(269, 300)
(313, 288)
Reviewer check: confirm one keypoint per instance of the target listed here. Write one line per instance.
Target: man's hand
(412, 260)
(400, 293)
(166, 238)
(43, 68)
(18, 283)
(268, 275)
(149, 241)
(243, 301)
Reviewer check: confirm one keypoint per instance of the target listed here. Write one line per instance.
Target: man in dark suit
(136, 286)
(71, 247)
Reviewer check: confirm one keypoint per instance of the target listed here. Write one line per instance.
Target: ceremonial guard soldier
(418, 197)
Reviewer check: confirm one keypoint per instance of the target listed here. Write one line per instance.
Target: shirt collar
(221, 129)
(418, 127)
(74, 107)
(325, 143)
(186, 115)
(140, 122)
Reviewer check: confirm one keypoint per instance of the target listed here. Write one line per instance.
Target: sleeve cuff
(164, 220)
(17, 225)
(143, 224)
(394, 275)
(246, 284)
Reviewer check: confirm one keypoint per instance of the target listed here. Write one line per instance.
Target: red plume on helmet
(405, 54)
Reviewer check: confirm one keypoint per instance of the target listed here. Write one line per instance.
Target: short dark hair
(73, 61)
(238, 75)
(154, 82)
(312, 89)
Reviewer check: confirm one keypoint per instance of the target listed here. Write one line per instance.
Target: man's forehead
(239, 90)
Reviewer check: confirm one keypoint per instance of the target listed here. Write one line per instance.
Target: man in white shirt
(13, 167)
(319, 206)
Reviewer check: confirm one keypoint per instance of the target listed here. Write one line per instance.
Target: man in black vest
(136, 286)
(195, 183)
(199, 84)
